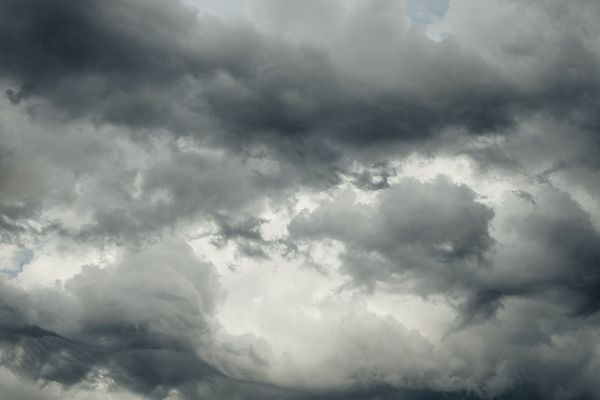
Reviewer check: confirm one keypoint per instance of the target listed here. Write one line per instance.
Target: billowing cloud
(430, 235)
(209, 78)
(299, 200)
(145, 324)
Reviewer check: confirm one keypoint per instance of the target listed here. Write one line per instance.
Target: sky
(277, 199)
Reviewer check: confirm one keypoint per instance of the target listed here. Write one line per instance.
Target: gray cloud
(525, 294)
(145, 326)
(190, 74)
(127, 122)
(234, 84)
(143, 323)
(434, 233)
(556, 252)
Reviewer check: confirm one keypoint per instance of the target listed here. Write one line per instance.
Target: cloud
(168, 172)
(234, 84)
(145, 324)
(552, 249)
(194, 73)
(412, 234)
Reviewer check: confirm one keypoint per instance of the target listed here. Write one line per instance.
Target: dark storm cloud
(151, 334)
(152, 65)
(434, 233)
(117, 324)
(560, 255)
(561, 84)
(435, 238)
(155, 66)
(530, 293)
(124, 119)
(145, 369)
(144, 323)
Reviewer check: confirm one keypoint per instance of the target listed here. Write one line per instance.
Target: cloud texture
(271, 199)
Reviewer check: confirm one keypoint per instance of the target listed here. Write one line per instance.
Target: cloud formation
(299, 200)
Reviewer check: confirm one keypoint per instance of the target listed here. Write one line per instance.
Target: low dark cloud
(149, 65)
(556, 254)
(434, 233)
(292, 135)
(143, 324)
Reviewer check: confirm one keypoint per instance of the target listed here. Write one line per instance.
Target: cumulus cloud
(198, 77)
(145, 324)
(434, 234)
(223, 201)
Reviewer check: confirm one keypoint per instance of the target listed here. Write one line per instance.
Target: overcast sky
(317, 199)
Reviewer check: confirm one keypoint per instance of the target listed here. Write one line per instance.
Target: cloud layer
(285, 200)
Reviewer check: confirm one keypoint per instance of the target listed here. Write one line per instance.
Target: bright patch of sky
(429, 14)
(426, 11)
(13, 259)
